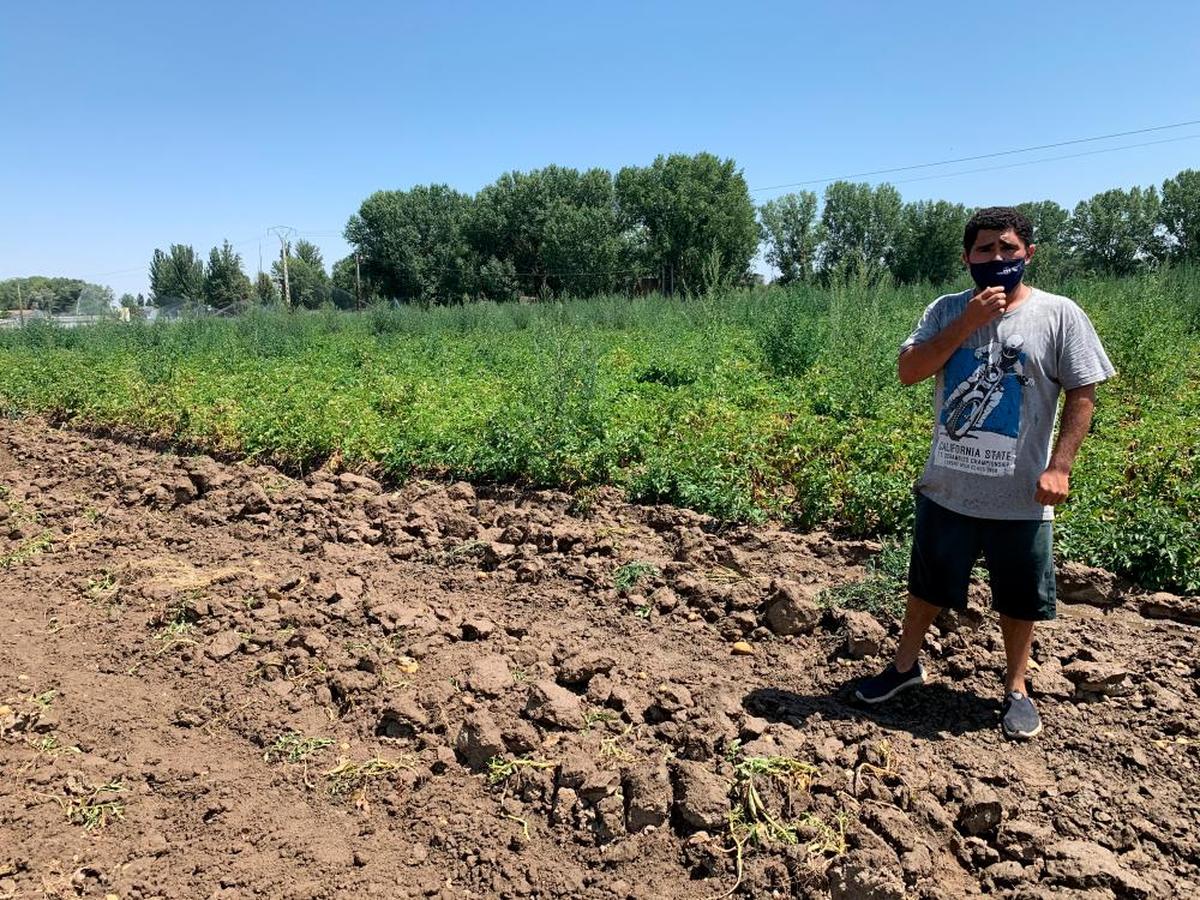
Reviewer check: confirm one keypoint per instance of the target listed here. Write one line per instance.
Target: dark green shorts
(1018, 554)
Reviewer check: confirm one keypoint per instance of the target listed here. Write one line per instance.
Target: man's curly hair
(997, 218)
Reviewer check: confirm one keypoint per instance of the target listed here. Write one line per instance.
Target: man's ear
(1029, 251)
(964, 259)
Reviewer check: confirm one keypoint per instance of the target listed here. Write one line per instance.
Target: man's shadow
(926, 711)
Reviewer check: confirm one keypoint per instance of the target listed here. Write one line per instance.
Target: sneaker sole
(912, 682)
(1021, 735)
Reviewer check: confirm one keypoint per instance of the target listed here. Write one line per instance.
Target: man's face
(991, 244)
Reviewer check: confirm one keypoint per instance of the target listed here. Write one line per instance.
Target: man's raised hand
(985, 306)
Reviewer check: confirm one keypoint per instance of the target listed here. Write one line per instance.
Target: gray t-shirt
(996, 399)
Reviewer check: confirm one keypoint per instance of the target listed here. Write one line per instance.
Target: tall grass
(753, 404)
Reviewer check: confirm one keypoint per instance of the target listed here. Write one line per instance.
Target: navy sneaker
(1020, 720)
(888, 683)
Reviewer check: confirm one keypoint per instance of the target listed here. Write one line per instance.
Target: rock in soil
(864, 634)
(793, 609)
(552, 704)
(701, 796)
(981, 810)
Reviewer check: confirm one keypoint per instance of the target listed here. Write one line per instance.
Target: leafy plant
(628, 576)
(295, 747)
(882, 591)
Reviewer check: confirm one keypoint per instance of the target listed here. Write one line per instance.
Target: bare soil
(220, 681)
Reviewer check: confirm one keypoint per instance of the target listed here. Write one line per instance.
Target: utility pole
(287, 288)
(357, 281)
(283, 232)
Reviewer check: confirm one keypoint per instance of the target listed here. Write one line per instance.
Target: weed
(28, 549)
(882, 591)
(499, 769)
(733, 750)
(50, 745)
(295, 747)
(464, 550)
(884, 770)
(631, 574)
(45, 698)
(593, 717)
(723, 575)
(524, 823)
(583, 501)
(612, 747)
(173, 634)
(751, 823)
(97, 808)
(102, 587)
(350, 778)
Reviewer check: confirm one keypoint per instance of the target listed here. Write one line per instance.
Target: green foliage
(499, 769)
(929, 242)
(413, 243)
(294, 747)
(345, 289)
(687, 208)
(631, 574)
(498, 280)
(1180, 214)
(777, 403)
(1050, 222)
(224, 281)
(792, 333)
(882, 592)
(1116, 232)
(556, 230)
(265, 291)
(53, 295)
(860, 227)
(789, 228)
(176, 275)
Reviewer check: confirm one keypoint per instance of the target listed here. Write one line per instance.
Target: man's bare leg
(1018, 643)
(918, 616)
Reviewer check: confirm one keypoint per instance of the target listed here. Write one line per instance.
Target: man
(991, 482)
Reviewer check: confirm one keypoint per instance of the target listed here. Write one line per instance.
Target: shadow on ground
(930, 711)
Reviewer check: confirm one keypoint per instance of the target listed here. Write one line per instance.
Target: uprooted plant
(753, 823)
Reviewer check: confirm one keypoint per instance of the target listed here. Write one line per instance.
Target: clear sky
(128, 126)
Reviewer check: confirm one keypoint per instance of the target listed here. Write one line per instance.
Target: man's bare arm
(1055, 483)
(920, 361)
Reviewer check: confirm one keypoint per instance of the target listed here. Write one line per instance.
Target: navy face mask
(1005, 273)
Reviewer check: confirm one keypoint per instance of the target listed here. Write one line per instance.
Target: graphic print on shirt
(981, 410)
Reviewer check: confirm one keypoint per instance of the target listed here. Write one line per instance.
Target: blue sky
(128, 126)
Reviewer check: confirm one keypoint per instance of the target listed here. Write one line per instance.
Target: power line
(1034, 162)
(961, 159)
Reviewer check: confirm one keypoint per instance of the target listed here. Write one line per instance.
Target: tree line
(58, 295)
(685, 223)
